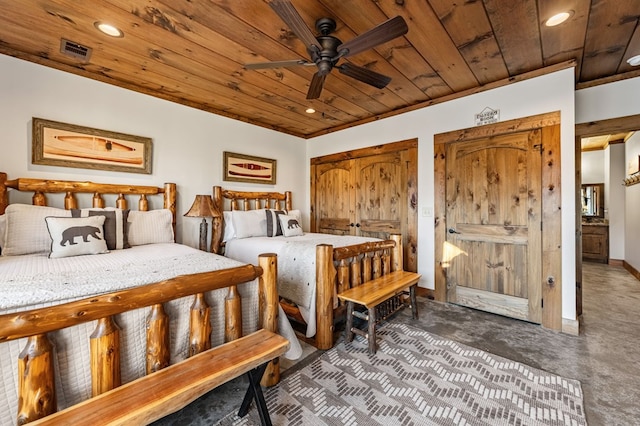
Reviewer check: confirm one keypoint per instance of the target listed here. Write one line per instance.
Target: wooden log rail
(341, 268)
(36, 376)
(41, 187)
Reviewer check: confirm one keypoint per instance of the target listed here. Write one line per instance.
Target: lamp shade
(203, 207)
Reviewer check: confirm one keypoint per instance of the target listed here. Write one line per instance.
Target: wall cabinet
(369, 192)
(595, 243)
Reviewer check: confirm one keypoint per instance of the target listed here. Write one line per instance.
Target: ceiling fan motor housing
(327, 56)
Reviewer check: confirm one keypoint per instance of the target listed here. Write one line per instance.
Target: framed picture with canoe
(69, 145)
(247, 168)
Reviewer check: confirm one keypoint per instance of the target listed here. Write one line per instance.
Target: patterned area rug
(417, 378)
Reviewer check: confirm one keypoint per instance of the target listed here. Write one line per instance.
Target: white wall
(593, 165)
(616, 206)
(187, 143)
(552, 92)
(632, 207)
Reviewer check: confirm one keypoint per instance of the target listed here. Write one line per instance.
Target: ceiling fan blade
(292, 18)
(382, 33)
(365, 75)
(277, 64)
(317, 83)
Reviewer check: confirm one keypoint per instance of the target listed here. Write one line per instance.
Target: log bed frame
(337, 269)
(36, 391)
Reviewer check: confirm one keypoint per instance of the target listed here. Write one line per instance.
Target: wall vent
(75, 50)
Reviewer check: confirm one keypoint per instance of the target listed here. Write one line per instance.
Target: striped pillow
(273, 224)
(115, 225)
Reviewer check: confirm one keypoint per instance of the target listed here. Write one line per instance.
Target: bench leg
(414, 301)
(371, 335)
(254, 392)
(348, 332)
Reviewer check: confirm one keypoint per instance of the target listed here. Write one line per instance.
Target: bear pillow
(290, 225)
(71, 236)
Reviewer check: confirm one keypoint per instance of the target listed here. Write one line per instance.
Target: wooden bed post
(36, 388)
(325, 276)
(217, 223)
(397, 260)
(170, 201)
(4, 194)
(269, 303)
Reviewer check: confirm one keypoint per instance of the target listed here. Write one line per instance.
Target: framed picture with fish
(69, 145)
(247, 168)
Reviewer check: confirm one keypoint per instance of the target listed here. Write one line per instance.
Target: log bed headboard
(41, 187)
(244, 200)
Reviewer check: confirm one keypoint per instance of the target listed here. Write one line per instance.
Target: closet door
(334, 201)
(380, 191)
(370, 192)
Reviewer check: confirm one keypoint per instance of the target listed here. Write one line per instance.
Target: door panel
(381, 194)
(493, 217)
(334, 200)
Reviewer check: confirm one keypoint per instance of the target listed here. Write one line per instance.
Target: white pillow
(229, 231)
(249, 223)
(3, 227)
(152, 227)
(115, 225)
(75, 236)
(290, 225)
(26, 230)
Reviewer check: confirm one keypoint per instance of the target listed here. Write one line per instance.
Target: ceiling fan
(326, 50)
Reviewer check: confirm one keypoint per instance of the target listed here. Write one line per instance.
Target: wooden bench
(152, 397)
(382, 298)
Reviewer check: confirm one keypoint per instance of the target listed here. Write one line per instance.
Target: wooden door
(334, 198)
(493, 251)
(371, 192)
(380, 183)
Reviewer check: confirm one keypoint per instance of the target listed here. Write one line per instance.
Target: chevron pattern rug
(417, 378)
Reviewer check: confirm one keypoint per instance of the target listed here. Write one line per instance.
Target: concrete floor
(605, 357)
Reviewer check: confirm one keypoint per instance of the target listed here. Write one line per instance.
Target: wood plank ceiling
(193, 52)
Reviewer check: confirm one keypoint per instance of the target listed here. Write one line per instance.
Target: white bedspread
(34, 281)
(296, 264)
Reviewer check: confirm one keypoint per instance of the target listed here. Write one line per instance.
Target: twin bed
(78, 318)
(312, 268)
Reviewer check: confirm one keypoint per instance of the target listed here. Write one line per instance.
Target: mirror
(593, 200)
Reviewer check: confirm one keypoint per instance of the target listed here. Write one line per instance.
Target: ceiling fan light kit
(634, 61)
(325, 50)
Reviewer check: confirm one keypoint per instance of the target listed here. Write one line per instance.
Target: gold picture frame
(69, 145)
(248, 168)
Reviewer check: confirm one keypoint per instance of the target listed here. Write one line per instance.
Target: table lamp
(203, 207)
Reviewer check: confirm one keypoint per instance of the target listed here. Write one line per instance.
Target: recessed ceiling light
(108, 29)
(310, 110)
(634, 61)
(558, 18)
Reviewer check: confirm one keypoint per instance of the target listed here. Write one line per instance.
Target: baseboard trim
(616, 262)
(633, 271)
(571, 327)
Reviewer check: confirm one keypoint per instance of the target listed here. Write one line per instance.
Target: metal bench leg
(371, 335)
(414, 301)
(254, 392)
(348, 336)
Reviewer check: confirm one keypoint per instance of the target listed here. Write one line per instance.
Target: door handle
(453, 231)
(351, 224)
(357, 225)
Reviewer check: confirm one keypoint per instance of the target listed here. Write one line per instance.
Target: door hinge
(542, 303)
(539, 147)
